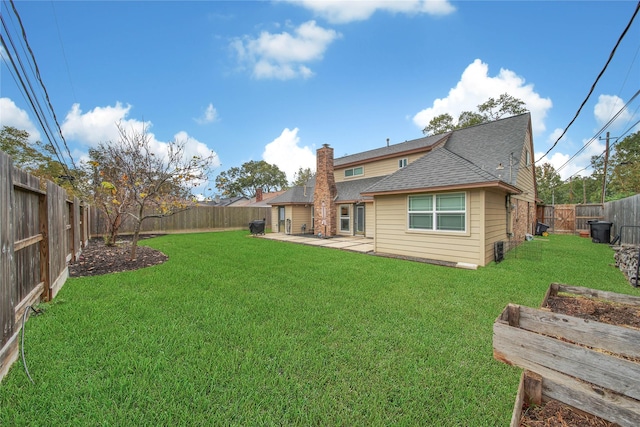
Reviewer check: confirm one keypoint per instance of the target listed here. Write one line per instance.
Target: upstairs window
(348, 173)
(402, 163)
(438, 212)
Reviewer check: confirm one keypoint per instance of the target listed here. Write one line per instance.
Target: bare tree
(148, 184)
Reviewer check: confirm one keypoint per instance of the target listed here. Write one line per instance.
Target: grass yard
(236, 330)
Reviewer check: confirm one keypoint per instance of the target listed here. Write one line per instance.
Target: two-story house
(447, 197)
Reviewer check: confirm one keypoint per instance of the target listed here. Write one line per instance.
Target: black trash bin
(541, 228)
(600, 231)
(256, 227)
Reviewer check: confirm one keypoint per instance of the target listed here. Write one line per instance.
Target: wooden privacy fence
(41, 230)
(197, 218)
(625, 216)
(569, 219)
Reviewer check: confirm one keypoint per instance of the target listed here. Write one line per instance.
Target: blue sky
(274, 80)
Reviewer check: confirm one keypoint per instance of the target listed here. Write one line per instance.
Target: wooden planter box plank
(579, 395)
(536, 341)
(555, 288)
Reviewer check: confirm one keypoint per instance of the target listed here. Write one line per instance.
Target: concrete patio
(347, 243)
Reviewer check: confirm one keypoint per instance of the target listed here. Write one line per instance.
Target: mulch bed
(593, 309)
(556, 414)
(97, 258)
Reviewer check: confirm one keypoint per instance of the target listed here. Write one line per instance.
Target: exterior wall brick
(324, 194)
(523, 218)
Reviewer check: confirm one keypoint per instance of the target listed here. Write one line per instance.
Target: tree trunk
(114, 228)
(134, 243)
(136, 232)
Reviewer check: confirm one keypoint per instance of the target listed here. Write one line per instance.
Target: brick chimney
(325, 193)
(258, 195)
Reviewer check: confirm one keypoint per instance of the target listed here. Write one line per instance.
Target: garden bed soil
(97, 258)
(594, 309)
(557, 414)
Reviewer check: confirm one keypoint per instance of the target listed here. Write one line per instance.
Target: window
(353, 172)
(345, 219)
(441, 212)
(527, 158)
(402, 163)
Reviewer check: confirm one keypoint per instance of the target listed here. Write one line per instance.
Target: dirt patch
(97, 259)
(556, 414)
(593, 309)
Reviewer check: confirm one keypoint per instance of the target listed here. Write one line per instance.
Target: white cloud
(476, 86)
(284, 56)
(210, 115)
(12, 115)
(99, 124)
(607, 107)
(359, 10)
(286, 153)
(579, 164)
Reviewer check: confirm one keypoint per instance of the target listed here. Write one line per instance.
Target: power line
(27, 91)
(39, 78)
(606, 125)
(593, 86)
(617, 140)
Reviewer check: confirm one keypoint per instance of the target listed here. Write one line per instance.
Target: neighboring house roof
(266, 199)
(225, 201)
(407, 147)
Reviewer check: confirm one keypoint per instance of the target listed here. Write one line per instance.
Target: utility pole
(570, 190)
(584, 192)
(604, 175)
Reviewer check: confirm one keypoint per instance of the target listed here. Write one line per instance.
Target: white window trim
(353, 172)
(435, 215)
(403, 163)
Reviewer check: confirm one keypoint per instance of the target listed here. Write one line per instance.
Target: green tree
(548, 182)
(130, 178)
(490, 110)
(624, 180)
(35, 158)
(302, 176)
(245, 180)
(505, 106)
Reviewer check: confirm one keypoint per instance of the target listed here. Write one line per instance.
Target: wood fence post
(43, 218)
(8, 292)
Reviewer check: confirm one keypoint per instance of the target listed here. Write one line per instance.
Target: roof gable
(495, 146)
(483, 154)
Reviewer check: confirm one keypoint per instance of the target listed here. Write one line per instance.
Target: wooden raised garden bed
(583, 363)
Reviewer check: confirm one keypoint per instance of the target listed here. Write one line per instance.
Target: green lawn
(235, 330)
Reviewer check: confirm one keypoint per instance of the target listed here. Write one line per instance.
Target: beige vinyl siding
(393, 236)
(495, 219)
(300, 215)
(376, 168)
(370, 220)
(526, 174)
(274, 219)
